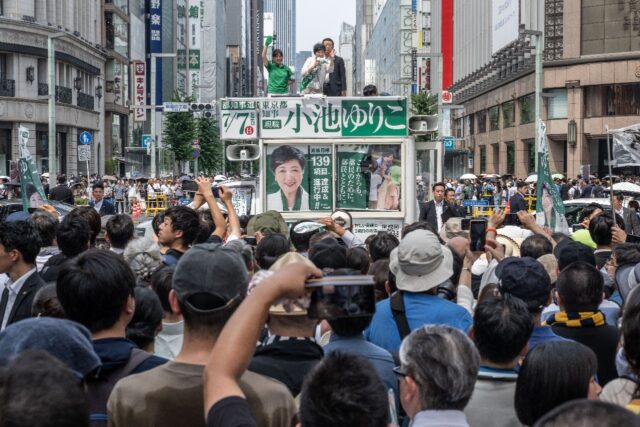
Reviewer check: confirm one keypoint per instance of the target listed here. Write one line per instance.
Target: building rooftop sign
(289, 118)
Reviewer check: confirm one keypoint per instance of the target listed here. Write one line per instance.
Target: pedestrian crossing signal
(205, 109)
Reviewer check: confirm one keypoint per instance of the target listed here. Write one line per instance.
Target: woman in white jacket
(315, 71)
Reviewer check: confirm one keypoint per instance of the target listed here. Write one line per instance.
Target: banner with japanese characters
(299, 178)
(30, 185)
(238, 119)
(289, 118)
(369, 177)
(139, 91)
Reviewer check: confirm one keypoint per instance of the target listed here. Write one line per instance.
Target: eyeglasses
(399, 372)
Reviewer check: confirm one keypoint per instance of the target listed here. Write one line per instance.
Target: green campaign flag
(549, 206)
(30, 185)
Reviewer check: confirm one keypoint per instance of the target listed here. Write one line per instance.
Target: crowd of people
(209, 322)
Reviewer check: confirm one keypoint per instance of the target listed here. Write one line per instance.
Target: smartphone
(633, 238)
(466, 224)
(512, 219)
(478, 231)
(216, 191)
(336, 297)
(576, 227)
(250, 240)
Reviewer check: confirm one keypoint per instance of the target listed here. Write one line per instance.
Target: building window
(612, 100)
(557, 104)
(120, 4)
(483, 159)
(471, 123)
(3, 66)
(511, 158)
(117, 31)
(531, 146)
(553, 29)
(508, 114)
(527, 109)
(481, 118)
(609, 27)
(494, 118)
(458, 127)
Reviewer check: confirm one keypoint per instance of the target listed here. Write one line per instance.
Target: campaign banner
(30, 185)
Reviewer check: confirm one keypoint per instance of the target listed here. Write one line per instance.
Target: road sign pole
(153, 116)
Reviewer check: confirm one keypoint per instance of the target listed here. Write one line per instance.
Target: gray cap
(67, 340)
(209, 276)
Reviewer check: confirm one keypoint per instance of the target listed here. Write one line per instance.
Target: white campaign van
(321, 154)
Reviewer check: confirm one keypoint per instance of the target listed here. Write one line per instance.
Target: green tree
(424, 104)
(179, 131)
(210, 161)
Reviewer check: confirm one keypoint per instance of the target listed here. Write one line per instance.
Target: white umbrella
(625, 187)
(557, 176)
(468, 176)
(532, 178)
(45, 175)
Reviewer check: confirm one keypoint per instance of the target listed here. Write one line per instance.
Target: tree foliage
(424, 104)
(179, 131)
(210, 161)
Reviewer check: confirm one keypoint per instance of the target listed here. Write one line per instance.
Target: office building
(284, 26)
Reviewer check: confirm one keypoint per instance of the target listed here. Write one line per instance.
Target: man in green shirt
(280, 75)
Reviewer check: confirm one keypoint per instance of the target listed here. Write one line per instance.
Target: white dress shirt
(98, 205)
(14, 291)
(439, 214)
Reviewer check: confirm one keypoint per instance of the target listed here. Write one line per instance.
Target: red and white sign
(248, 130)
(139, 91)
(447, 97)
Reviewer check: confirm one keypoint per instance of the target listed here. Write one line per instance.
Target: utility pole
(51, 71)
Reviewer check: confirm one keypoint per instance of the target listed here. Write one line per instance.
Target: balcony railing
(85, 101)
(64, 95)
(43, 89)
(8, 88)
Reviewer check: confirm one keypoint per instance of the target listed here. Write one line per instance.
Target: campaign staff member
(287, 165)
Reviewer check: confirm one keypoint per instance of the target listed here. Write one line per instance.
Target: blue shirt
(420, 309)
(542, 334)
(380, 358)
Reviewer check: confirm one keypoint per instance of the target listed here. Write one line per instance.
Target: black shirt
(61, 193)
(231, 411)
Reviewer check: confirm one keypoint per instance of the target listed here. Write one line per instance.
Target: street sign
(84, 153)
(446, 97)
(145, 140)
(175, 107)
(468, 203)
(86, 138)
(448, 142)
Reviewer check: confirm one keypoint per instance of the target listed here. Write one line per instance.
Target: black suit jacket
(429, 215)
(61, 193)
(337, 79)
(22, 306)
(106, 209)
(452, 211)
(517, 203)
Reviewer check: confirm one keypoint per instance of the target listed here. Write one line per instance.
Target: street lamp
(154, 57)
(51, 71)
(538, 102)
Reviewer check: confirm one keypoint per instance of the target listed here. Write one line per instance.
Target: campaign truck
(322, 154)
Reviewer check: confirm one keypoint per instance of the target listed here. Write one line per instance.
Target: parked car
(15, 205)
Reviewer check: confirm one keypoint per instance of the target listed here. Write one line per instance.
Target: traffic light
(204, 108)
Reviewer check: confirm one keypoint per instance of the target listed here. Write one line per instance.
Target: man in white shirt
(18, 250)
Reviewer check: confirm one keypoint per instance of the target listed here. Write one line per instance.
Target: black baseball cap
(569, 251)
(524, 278)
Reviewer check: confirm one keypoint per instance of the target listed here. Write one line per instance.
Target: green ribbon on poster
(30, 185)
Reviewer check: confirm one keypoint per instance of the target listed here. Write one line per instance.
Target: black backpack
(99, 389)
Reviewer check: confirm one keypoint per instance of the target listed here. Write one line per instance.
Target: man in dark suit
(517, 202)
(433, 211)
(61, 192)
(337, 83)
(453, 210)
(99, 203)
(631, 222)
(18, 250)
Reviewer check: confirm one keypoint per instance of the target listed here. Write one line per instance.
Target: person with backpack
(96, 290)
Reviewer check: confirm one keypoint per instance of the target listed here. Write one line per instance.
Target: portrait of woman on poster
(287, 164)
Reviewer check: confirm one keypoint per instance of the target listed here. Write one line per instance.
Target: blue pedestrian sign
(448, 142)
(146, 140)
(86, 138)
